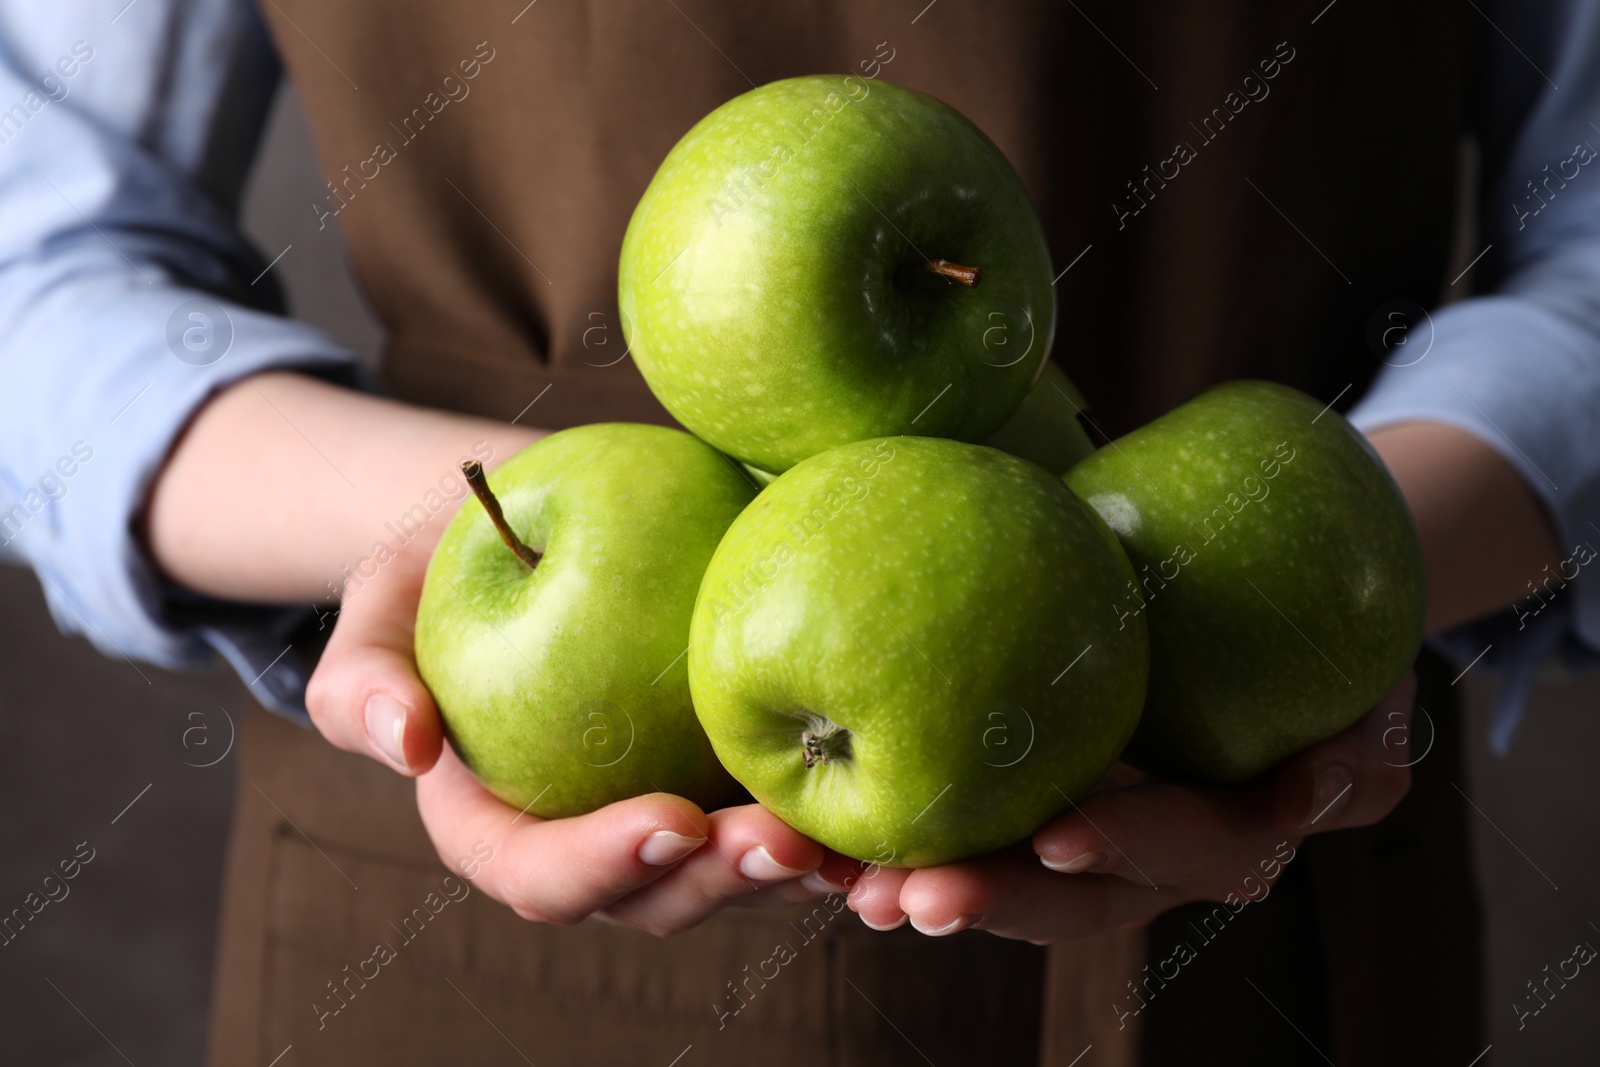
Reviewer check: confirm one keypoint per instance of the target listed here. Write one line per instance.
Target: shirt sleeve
(1519, 365)
(127, 297)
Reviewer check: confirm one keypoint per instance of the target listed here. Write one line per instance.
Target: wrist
(1484, 531)
(282, 483)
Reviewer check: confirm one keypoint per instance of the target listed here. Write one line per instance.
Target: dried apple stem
(823, 741)
(473, 471)
(967, 276)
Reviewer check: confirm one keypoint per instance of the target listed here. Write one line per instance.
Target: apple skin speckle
(564, 685)
(929, 597)
(1303, 601)
(756, 257)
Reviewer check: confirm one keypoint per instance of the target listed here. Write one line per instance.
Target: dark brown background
(130, 948)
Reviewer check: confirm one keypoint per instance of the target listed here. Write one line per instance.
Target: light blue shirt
(128, 296)
(1519, 367)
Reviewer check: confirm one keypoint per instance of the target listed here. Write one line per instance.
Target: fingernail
(816, 883)
(1088, 861)
(959, 923)
(386, 726)
(897, 924)
(664, 847)
(759, 866)
(1332, 792)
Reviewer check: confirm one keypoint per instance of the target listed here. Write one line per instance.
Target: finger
(1354, 778)
(781, 895)
(834, 877)
(1011, 895)
(554, 870)
(875, 896)
(365, 695)
(839, 873)
(1210, 839)
(1121, 776)
(750, 850)
(1162, 834)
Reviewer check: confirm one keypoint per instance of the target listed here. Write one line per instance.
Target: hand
(654, 862)
(1139, 845)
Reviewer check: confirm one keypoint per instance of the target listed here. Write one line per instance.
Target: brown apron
(1231, 190)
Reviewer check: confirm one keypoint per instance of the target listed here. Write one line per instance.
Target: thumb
(1350, 779)
(365, 695)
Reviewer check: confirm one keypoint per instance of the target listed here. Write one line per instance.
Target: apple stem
(967, 276)
(473, 471)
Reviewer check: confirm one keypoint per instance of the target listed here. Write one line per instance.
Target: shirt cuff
(1525, 380)
(78, 534)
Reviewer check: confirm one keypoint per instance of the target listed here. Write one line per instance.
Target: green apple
(1278, 567)
(829, 259)
(1046, 429)
(552, 641)
(905, 649)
